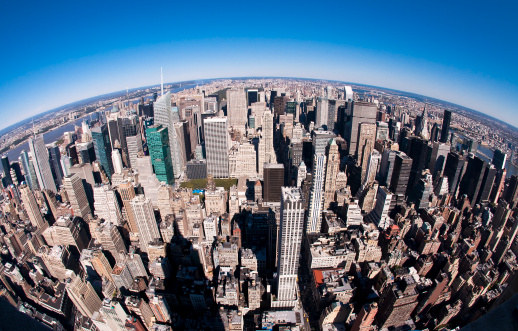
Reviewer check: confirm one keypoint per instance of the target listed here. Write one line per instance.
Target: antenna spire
(161, 81)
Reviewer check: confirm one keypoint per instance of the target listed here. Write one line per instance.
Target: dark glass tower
(445, 126)
(7, 171)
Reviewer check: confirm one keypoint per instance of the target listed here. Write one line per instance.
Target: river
(55, 134)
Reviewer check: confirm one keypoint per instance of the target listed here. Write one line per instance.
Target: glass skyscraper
(158, 145)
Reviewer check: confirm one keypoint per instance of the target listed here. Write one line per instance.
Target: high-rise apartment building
(158, 145)
(289, 244)
(41, 163)
(217, 146)
(316, 199)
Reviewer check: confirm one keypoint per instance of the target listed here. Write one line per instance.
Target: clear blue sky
(460, 51)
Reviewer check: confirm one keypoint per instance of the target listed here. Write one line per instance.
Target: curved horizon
(55, 58)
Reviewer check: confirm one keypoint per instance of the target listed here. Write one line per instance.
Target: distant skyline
(64, 52)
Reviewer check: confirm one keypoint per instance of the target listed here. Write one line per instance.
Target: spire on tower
(161, 81)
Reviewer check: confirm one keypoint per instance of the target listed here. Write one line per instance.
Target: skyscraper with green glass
(158, 144)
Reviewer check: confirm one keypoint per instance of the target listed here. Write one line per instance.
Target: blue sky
(59, 52)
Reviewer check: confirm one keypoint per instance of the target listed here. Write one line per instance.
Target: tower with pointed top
(333, 166)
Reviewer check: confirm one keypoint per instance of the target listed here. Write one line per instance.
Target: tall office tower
(60, 263)
(348, 93)
(55, 164)
(7, 170)
(472, 179)
(289, 243)
(127, 193)
(302, 172)
(418, 152)
(28, 170)
(387, 166)
(373, 164)
(322, 112)
(100, 263)
(103, 148)
(167, 116)
(242, 161)
(330, 92)
(217, 146)
(158, 145)
(365, 318)
(397, 302)
(320, 141)
(106, 204)
(32, 208)
(41, 163)
(438, 159)
(422, 191)
(273, 181)
(499, 159)
(453, 170)
(445, 132)
(252, 96)
(332, 169)
(382, 131)
(257, 111)
(511, 194)
(498, 187)
(400, 174)
(135, 148)
(237, 110)
(266, 149)
(365, 144)
(68, 231)
(117, 162)
(76, 194)
(317, 194)
(361, 112)
(488, 180)
(146, 221)
(279, 105)
(110, 238)
(380, 213)
(116, 133)
(83, 296)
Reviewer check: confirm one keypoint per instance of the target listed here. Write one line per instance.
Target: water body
(57, 133)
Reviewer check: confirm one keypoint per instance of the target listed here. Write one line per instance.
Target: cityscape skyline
(426, 59)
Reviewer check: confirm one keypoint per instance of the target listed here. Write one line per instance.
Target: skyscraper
(167, 116)
(322, 112)
(7, 170)
(453, 170)
(158, 145)
(28, 169)
(55, 164)
(32, 208)
(499, 159)
(237, 110)
(76, 194)
(266, 149)
(103, 149)
(127, 193)
(445, 132)
(273, 181)
(472, 179)
(84, 297)
(217, 146)
(361, 112)
(106, 204)
(117, 162)
(289, 244)
(365, 144)
(317, 194)
(146, 221)
(41, 163)
(333, 167)
(401, 174)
